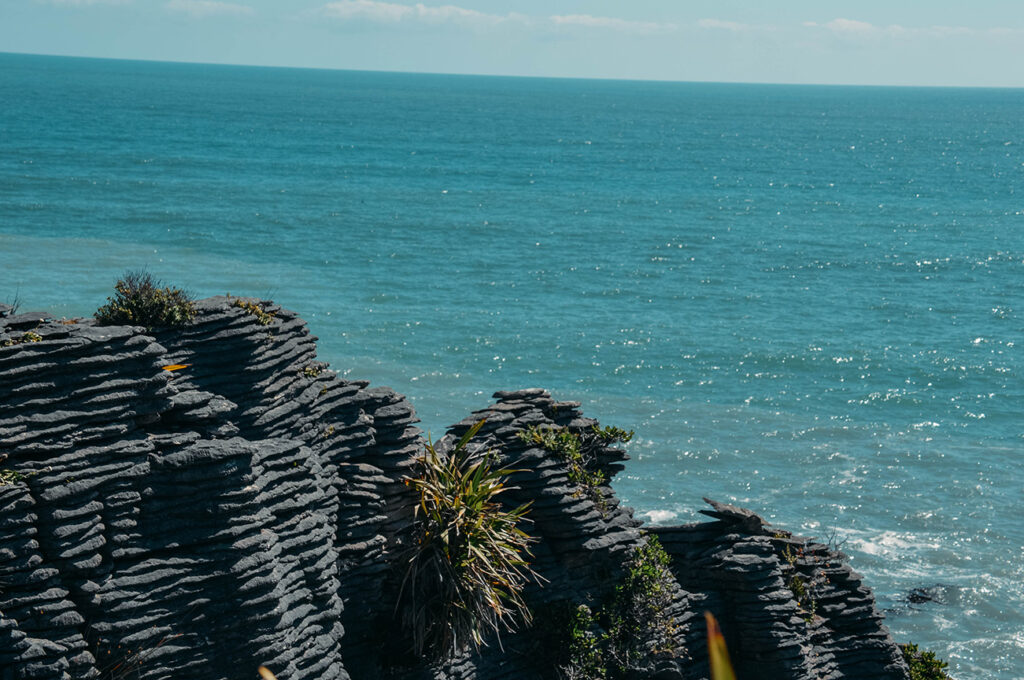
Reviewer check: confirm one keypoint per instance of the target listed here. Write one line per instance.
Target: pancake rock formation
(247, 506)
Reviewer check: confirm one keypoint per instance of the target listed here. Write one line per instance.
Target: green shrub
(634, 623)
(638, 618)
(140, 301)
(467, 565)
(576, 452)
(584, 653)
(923, 665)
(612, 434)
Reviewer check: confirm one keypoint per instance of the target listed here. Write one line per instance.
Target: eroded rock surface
(250, 508)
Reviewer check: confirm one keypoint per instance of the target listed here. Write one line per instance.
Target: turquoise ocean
(805, 300)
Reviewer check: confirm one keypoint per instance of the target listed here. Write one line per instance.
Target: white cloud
(854, 29)
(399, 13)
(206, 8)
(726, 25)
(82, 3)
(992, 31)
(943, 31)
(384, 12)
(381, 12)
(455, 14)
(393, 13)
(611, 23)
(851, 26)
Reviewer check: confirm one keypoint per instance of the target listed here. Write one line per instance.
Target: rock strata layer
(247, 506)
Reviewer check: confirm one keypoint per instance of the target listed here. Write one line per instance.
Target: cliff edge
(199, 501)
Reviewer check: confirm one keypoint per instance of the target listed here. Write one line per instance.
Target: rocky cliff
(249, 508)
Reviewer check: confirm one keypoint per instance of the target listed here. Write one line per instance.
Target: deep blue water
(807, 300)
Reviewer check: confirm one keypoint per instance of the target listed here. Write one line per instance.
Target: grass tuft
(262, 316)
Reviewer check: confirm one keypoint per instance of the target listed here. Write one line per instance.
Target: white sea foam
(891, 543)
(659, 516)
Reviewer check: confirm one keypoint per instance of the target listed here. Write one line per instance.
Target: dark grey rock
(245, 510)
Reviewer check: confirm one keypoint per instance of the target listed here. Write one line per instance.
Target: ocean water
(805, 300)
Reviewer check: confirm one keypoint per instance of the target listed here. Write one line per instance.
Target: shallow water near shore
(805, 300)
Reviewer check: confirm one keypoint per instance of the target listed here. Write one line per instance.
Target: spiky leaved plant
(467, 565)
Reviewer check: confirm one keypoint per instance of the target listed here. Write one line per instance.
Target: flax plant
(718, 654)
(467, 566)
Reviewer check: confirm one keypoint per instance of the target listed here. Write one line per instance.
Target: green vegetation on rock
(923, 664)
(639, 618)
(467, 565)
(584, 653)
(28, 336)
(262, 316)
(140, 301)
(577, 451)
(9, 477)
(801, 586)
(569, 447)
(634, 624)
(613, 435)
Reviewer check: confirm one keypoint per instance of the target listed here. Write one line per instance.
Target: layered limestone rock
(247, 506)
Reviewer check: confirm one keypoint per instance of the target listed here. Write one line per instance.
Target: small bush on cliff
(140, 301)
(635, 622)
(799, 584)
(639, 618)
(468, 564)
(923, 664)
(575, 451)
(611, 435)
(584, 654)
(578, 452)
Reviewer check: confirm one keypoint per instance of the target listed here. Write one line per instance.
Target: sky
(862, 42)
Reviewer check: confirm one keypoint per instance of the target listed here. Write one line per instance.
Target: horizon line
(510, 75)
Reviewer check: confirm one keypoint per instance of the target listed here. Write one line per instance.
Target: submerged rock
(200, 501)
